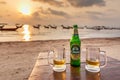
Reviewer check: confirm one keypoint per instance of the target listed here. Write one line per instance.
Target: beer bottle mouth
(75, 26)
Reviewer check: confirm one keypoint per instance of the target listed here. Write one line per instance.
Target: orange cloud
(74, 3)
(3, 2)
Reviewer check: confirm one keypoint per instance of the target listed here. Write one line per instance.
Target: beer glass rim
(93, 48)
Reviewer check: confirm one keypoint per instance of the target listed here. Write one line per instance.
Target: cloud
(3, 2)
(112, 10)
(74, 3)
(8, 15)
(94, 13)
(45, 15)
(36, 15)
(94, 17)
(41, 12)
(51, 2)
(58, 13)
(86, 3)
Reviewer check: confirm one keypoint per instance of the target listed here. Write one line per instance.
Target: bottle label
(75, 52)
(75, 49)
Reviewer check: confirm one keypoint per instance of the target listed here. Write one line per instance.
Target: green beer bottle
(75, 44)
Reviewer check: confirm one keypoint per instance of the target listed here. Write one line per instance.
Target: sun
(25, 9)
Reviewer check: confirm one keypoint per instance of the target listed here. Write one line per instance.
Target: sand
(17, 59)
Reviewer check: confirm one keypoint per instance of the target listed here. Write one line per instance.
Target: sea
(30, 33)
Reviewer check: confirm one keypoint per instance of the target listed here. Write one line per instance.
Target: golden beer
(93, 62)
(59, 65)
(59, 62)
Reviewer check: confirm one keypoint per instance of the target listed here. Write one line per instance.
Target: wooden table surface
(42, 71)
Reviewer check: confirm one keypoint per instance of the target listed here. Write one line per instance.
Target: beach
(17, 58)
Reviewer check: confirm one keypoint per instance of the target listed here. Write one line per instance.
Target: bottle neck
(75, 32)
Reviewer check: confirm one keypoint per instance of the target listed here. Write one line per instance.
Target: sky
(67, 12)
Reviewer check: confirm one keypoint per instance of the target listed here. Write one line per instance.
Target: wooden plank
(42, 71)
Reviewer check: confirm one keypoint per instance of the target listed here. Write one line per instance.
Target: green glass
(75, 44)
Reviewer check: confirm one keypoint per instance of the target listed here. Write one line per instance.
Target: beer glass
(93, 55)
(56, 58)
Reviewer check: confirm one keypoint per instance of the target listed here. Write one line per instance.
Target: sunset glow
(68, 12)
(25, 9)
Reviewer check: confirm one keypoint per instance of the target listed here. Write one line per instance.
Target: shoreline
(112, 38)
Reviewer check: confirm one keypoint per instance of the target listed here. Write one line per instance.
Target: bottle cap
(75, 26)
